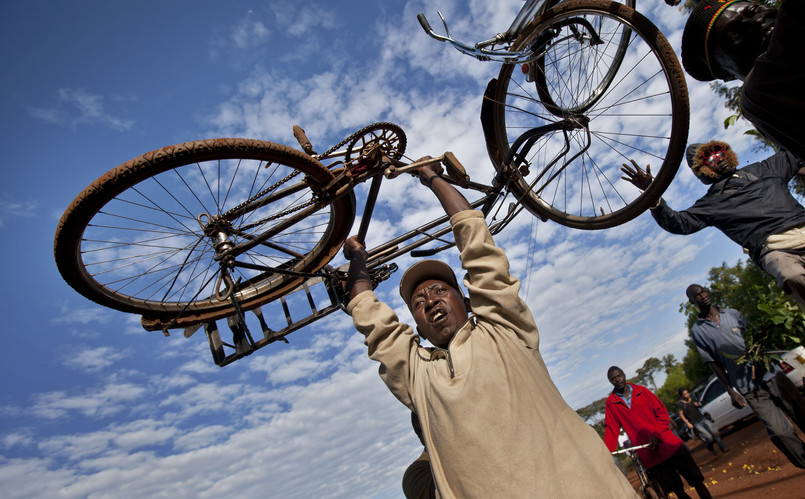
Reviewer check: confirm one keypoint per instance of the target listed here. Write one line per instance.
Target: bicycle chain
(355, 136)
(281, 214)
(261, 194)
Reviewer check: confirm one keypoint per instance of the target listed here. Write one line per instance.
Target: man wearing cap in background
(493, 422)
(751, 205)
(729, 39)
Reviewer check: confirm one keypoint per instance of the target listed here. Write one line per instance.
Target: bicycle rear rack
(326, 290)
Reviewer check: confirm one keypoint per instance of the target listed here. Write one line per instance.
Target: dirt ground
(751, 468)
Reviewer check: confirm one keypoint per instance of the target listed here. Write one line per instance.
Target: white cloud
(22, 437)
(98, 402)
(77, 106)
(11, 209)
(78, 447)
(299, 22)
(143, 433)
(94, 359)
(70, 314)
(322, 428)
(48, 481)
(249, 33)
(205, 436)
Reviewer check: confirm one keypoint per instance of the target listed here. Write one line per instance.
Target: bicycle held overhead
(210, 229)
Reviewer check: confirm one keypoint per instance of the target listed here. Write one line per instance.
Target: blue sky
(94, 406)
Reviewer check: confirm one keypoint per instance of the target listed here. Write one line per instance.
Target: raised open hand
(636, 176)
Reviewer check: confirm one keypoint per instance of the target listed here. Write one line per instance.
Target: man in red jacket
(645, 420)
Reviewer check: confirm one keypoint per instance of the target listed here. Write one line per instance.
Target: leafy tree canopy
(645, 375)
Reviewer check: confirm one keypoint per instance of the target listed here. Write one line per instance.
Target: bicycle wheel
(142, 238)
(649, 493)
(640, 111)
(555, 97)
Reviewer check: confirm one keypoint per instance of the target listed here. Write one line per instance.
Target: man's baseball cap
(696, 45)
(422, 271)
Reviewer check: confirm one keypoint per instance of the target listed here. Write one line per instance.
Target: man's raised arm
(452, 200)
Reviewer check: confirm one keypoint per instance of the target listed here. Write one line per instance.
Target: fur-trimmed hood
(696, 162)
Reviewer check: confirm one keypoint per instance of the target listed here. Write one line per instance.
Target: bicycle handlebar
(424, 22)
(478, 51)
(630, 449)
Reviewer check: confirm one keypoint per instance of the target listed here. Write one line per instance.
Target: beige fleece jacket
(494, 423)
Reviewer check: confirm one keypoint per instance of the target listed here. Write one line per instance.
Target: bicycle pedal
(455, 170)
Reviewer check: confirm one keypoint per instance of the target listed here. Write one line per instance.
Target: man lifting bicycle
(493, 422)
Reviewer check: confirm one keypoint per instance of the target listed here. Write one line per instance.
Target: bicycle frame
(640, 469)
(344, 184)
(370, 165)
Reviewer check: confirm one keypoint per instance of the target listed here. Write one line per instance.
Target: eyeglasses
(713, 155)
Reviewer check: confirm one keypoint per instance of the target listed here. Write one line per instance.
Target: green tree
(695, 369)
(669, 391)
(593, 414)
(645, 375)
(669, 363)
(593, 410)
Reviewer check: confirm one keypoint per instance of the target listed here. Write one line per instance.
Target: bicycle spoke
(192, 191)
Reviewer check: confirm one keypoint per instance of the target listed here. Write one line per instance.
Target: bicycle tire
(132, 240)
(643, 115)
(649, 493)
(544, 89)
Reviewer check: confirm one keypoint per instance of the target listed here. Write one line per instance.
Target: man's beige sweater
(494, 423)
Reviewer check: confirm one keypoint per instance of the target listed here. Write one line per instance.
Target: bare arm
(452, 201)
(682, 415)
(735, 397)
(358, 278)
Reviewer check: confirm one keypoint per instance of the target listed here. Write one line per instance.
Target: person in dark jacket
(751, 205)
(761, 46)
(690, 412)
